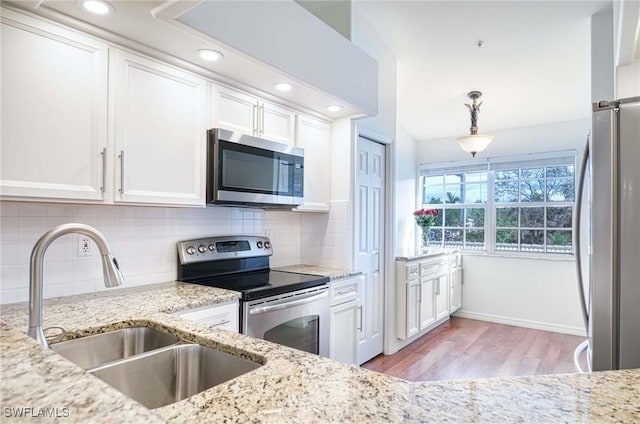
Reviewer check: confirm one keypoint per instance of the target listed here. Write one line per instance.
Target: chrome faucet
(112, 275)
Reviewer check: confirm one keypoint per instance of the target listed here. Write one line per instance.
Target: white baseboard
(537, 325)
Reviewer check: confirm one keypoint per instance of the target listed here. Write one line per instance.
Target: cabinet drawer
(223, 316)
(344, 290)
(431, 267)
(412, 271)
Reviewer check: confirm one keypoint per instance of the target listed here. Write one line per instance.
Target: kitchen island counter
(291, 386)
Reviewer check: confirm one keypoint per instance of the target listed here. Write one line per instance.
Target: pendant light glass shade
(474, 143)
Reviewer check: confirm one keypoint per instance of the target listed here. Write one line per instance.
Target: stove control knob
(202, 248)
(190, 250)
(259, 244)
(267, 245)
(212, 247)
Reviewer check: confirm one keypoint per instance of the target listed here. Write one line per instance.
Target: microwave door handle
(287, 303)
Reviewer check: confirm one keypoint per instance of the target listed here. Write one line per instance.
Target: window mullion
(490, 215)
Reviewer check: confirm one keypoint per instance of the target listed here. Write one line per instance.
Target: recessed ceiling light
(334, 108)
(283, 86)
(210, 55)
(99, 7)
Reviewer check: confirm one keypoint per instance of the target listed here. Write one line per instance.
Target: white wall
(536, 293)
(143, 239)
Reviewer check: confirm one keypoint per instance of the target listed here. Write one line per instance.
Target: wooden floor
(465, 348)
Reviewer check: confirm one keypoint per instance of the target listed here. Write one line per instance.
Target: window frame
(490, 165)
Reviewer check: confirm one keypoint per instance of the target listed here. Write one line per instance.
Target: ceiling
(533, 69)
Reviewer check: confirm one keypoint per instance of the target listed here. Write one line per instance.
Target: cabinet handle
(223, 322)
(255, 119)
(352, 289)
(261, 120)
(104, 169)
(360, 321)
(121, 173)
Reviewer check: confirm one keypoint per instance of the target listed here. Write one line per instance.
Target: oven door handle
(288, 303)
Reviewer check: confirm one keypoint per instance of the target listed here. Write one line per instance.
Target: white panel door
(370, 183)
(277, 124)
(314, 137)
(160, 134)
(235, 111)
(54, 111)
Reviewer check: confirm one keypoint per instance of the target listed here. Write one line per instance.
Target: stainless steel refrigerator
(608, 238)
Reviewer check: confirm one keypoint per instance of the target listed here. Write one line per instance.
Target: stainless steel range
(283, 307)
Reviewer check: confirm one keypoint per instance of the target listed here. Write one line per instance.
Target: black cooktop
(261, 284)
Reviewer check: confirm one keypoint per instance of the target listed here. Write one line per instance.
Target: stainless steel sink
(92, 351)
(171, 374)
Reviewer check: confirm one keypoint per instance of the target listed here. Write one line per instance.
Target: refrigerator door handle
(576, 357)
(576, 234)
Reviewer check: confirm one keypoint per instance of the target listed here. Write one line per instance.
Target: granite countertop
(292, 386)
(432, 252)
(332, 273)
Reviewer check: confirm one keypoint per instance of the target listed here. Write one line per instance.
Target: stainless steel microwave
(249, 171)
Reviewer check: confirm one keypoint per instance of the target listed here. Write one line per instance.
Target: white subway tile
(9, 296)
(81, 287)
(86, 269)
(8, 252)
(83, 212)
(8, 277)
(32, 209)
(31, 228)
(8, 208)
(59, 210)
(9, 228)
(57, 290)
(58, 272)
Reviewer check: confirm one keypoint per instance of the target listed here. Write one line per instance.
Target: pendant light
(474, 142)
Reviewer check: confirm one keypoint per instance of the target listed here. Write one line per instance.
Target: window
(512, 205)
(461, 200)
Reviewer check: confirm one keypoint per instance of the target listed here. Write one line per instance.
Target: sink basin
(171, 374)
(92, 351)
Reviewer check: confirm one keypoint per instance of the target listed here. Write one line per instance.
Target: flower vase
(425, 236)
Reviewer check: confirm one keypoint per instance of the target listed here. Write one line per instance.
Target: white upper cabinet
(160, 132)
(54, 111)
(314, 136)
(236, 111)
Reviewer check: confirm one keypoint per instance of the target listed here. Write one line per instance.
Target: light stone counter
(291, 387)
(413, 254)
(332, 273)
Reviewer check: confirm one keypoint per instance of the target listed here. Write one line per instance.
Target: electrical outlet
(84, 246)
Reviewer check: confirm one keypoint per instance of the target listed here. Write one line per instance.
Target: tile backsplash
(143, 239)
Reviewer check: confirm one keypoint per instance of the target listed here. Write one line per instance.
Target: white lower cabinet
(345, 319)
(224, 315)
(425, 293)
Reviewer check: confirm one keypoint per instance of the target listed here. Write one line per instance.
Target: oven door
(246, 169)
(299, 319)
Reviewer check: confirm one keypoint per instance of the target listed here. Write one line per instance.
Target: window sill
(519, 255)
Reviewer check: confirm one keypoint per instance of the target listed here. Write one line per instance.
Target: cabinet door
(235, 111)
(314, 137)
(344, 332)
(427, 304)
(54, 111)
(455, 282)
(277, 124)
(441, 295)
(412, 308)
(159, 132)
